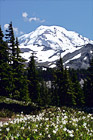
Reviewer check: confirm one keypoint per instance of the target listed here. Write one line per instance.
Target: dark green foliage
(88, 86)
(77, 88)
(45, 74)
(1, 35)
(3, 49)
(12, 52)
(19, 87)
(10, 107)
(45, 95)
(59, 82)
(64, 93)
(10, 39)
(17, 50)
(33, 84)
(54, 90)
(5, 76)
(69, 93)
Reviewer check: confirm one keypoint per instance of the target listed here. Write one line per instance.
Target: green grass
(49, 124)
(13, 101)
(10, 107)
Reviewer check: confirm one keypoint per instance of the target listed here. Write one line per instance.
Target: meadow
(54, 123)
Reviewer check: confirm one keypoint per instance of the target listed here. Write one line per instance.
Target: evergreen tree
(21, 85)
(69, 94)
(77, 89)
(54, 91)
(17, 50)
(63, 86)
(5, 81)
(12, 51)
(33, 85)
(45, 95)
(59, 83)
(10, 39)
(18, 78)
(88, 86)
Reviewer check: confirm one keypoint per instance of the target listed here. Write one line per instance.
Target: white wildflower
(1, 124)
(49, 135)
(70, 131)
(65, 129)
(36, 125)
(40, 134)
(35, 130)
(84, 124)
(18, 135)
(28, 127)
(65, 117)
(64, 122)
(22, 128)
(7, 129)
(83, 117)
(71, 135)
(90, 134)
(5, 123)
(63, 110)
(12, 138)
(54, 131)
(46, 128)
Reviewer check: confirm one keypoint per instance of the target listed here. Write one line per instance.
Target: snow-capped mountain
(48, 42)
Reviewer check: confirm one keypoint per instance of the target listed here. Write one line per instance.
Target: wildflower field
(54, 123)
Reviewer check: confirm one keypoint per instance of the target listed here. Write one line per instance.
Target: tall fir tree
(59, 81)
(63, 86)
(69, 94)
(45, 95)
(33, 85)
(21, 85)
(10, 39)
(80, 100)
(18, 80)
(88, 86)
(54, 90)
(5, 73)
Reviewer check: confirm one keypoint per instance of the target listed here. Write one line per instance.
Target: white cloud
(21, 32)
(24, 14)
(30, 19)
(33, 19)
(42, 20)
(15, 30)
(36, 19)
(6, 26)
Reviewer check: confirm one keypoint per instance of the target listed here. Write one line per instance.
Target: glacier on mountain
(48, 42)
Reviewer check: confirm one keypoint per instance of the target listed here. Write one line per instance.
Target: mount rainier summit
(48, 42)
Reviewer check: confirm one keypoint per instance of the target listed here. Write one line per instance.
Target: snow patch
(85, 58)
(53, 66)
(48, 42)
(75, 57)
(91, 51)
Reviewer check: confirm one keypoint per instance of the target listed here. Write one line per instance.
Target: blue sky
(27, 15)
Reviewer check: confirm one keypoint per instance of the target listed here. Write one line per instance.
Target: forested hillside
(58, 87)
